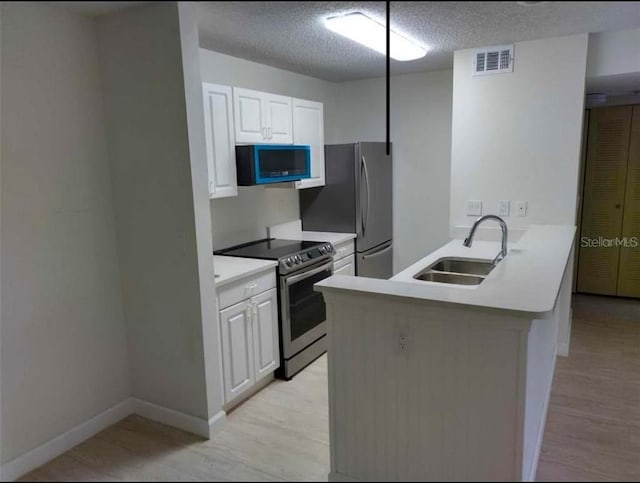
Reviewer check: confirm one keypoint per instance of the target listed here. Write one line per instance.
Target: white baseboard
(53, 448)
(563, 349)
(216, 423)
(171, 417)
(543, 424)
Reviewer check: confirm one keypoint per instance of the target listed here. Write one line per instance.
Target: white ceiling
(291, 35)
(94, 9)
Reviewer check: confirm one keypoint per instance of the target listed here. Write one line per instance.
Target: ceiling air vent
(493, 60)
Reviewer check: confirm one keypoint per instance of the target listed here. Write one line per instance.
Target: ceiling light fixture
(366, 31)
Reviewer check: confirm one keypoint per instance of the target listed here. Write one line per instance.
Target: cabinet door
(249, 113)
(629, 275)
(345, 266)
(237, 349)
(308, 128)
(220, 140)
(279, 119)
(265, 333)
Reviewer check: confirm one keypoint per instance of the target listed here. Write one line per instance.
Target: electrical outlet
(402, 341)
(521, 208)
(503, 208)
(474, 207)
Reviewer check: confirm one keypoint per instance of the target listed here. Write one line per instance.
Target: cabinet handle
(247, 313)
(255, 310)
(212, 187)
(269, 133)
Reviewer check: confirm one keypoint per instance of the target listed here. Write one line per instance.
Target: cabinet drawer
(345, 266)
(245, 288)
(344, 249)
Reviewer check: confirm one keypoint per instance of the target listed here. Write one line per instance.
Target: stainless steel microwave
(272, 163)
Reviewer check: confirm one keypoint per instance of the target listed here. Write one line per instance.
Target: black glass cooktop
(268, 249)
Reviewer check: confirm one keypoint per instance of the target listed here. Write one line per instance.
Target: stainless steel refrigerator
(355, 199)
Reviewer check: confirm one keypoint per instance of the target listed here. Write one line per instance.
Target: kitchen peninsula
(441, 381)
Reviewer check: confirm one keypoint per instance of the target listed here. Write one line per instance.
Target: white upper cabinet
(220, 140)
(279, 123)
(250, 116)
(262, 118)
(308, 128)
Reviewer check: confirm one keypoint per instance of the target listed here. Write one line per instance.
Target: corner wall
(144, 89)
(63, 349)
(516, 136)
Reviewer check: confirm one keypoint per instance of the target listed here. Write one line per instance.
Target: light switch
(521, 208)
(503, 208)
(474, 207)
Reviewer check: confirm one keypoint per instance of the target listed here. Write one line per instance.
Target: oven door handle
(296, 278)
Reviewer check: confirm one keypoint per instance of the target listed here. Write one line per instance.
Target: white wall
(142, 67)
(188, 13)
(63, 346)
(245, 217)
(421, 136)
(613, 53)
(516, 136)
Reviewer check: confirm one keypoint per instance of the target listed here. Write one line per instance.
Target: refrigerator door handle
(365, 219)
(379, 252)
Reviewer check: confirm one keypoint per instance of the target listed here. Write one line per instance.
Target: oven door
(303, 311)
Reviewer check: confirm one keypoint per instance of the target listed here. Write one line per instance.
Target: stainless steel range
(302, 313)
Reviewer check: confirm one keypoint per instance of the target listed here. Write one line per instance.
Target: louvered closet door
(604, 189)
(629, 274)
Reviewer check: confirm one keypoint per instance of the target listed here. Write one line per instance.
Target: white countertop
(527, 280)
(231, 269)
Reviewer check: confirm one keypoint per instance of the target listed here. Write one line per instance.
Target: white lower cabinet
(265, 333)
(237, 349)
(345, 266)
(250, 346)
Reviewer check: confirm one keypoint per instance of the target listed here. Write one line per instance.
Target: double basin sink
(457, 271)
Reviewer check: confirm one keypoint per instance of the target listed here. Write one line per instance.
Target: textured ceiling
(94, 9)
(291, 35)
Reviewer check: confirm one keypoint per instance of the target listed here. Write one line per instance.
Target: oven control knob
(322, 250)
(329, 248)
(288, 262)
(298, 259)
(309, 254)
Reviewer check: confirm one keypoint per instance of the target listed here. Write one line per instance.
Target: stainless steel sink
(463, 265)
(458, 271)
(455, 278)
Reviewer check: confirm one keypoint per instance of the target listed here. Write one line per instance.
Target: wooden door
(604, 190)
(629, 273)
(237, 349)
(220, 140)
(249, 112)
(279, 119)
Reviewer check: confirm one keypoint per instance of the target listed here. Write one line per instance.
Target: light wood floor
(592, 432)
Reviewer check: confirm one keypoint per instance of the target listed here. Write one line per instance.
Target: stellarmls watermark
(602, 242)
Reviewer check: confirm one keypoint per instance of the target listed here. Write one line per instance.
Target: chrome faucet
(503, 251)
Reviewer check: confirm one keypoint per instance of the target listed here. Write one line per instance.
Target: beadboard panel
(448, 407)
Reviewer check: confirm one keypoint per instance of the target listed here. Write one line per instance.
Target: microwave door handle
(365, 219)
(302, 276)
